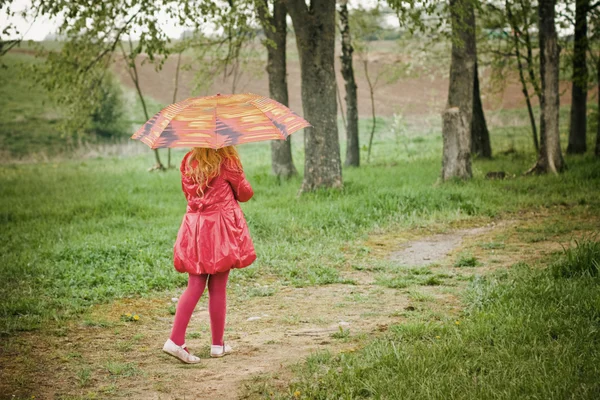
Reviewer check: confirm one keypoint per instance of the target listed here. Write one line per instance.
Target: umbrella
(219, 121)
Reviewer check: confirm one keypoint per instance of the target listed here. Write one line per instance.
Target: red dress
(214, 236)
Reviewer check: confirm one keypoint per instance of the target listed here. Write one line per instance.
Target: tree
(93, 31)
(550, 156)
(480, 135)
(456, 128)
(314, 26)
(513, 48)
(130, 59)
(352, 141)
(275, 28)
(429, 16)
(578, 127)
(180, 49)
(366, 26)
(597, 150)
(10, 35)
(595, 57)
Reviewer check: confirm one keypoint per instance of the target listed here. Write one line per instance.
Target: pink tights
(217, 306)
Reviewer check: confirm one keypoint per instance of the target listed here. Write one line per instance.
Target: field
(335, 306)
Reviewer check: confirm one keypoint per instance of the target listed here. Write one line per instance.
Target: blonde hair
(209, 163)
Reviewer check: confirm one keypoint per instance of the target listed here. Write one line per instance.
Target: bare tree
(275, 28)
(550, 156)
(352, 141)
(175, 90)
(456, 129)
(130, 64)
(314, 25)
(514, 50)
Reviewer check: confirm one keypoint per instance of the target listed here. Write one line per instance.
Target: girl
(212, 239)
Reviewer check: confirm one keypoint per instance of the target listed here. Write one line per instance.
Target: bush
(582, 260)
(107, 119)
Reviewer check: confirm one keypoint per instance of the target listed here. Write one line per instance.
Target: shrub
(581, 260)
(107, 118)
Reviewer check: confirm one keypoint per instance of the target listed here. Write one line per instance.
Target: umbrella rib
(174, 115)
(215, 121)
(270, 119)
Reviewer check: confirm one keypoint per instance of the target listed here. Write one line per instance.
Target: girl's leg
(217, 305)
(185, 307)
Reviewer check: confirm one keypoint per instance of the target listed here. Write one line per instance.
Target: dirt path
(101, 356)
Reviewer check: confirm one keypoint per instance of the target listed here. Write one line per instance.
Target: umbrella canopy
(219, 121)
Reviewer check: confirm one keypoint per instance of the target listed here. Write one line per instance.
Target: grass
(527, 333)
(82, 232)
(79, 233)
(466, 260)
(28, 122)
(122, 369)
(582, 261)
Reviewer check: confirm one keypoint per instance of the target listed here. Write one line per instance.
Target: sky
(43, 26)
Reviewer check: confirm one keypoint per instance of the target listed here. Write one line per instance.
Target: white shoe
(217, 351)
(179, 352)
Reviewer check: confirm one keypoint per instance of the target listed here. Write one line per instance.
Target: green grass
(466, 260)
(79, 233)
(28, 120)
(83, 232)
(527, 333)
(582, 261)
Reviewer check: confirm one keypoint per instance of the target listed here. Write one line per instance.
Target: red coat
(214, 236)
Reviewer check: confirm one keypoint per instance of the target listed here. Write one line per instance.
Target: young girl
(212, 239)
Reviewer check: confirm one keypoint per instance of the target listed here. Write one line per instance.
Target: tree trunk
(531, 63)
(352, 142)
(275, 28)
(550, 156)
(373, 114)
(577, 128)
(315, 38)
(175, 90)
(597, 152)
(456, 161)
(133, 74)
(480, 135)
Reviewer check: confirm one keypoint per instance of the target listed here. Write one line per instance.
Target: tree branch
(114, 44)
(265, 18)
(566, 16)
(298, 8)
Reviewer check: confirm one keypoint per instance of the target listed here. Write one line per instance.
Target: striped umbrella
(219, 121)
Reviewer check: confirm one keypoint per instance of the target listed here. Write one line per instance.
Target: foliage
(420, 16)
(76, 73)
(502, 27)
(33, 122)
(9, 36)
(107, 118)
(216, 56)
(526, 334)
(84, 94)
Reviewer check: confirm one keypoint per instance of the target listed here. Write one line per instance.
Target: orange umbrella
(219, 121)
